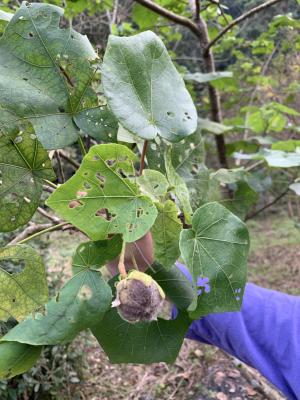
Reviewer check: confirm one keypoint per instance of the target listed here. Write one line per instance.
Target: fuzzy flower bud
(138, 297)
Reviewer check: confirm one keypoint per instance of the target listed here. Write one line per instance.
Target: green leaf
(296, 188)
(21, 292)
(188, 156)
(286, 145)
(284, 109)
(17, 358)
(274, 158)
(179, 186)
(144, 90)
(203, 78)
(99, 123)
(213, 127)
(81, 303)
(153, 183)
(143, 343)
(215, 251)
(165, 233)
(100, 201)
(229, 176)
(94, 255)
(281, 159)
(143, 17)
(174, 283)
(243, 199)
(45, 74)
(23, 166)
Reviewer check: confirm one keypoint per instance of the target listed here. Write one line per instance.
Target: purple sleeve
(265, 334)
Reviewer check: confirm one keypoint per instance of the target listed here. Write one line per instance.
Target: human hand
(139, 252)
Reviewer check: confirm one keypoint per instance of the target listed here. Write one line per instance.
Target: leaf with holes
(99, 123)
(215, 250)
(100, 199)
(45, 74)
(165, 233)
(24, 289)
(144, 342)
(178, 186)
(144, 89)
(17, 358)
(23, 166)
(81, 303)
(94, 255)
(153, 184)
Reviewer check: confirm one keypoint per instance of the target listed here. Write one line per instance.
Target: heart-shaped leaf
(144, 89)
(100, 199)
(45, 74)
(215, 251)
(81, 303)
(25, 291)
(23, 166)
(143, 343)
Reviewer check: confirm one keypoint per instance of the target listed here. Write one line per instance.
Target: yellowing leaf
(23, 166)
(25, 291)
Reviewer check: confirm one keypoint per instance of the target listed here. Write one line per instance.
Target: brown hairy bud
(138, 297)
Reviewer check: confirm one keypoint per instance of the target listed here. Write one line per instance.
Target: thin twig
(268, 204)
(241, 18)
(178, 19)
(48, 189)
(60, 167)
(34, 230)
(197, 10)
(44, 213)
(81, 146)
(144, 151)
(50, 183)
(66, 157)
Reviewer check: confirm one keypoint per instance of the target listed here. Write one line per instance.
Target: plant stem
(50, 183)
(81, 146)
(280, 196)
(66, 157)
(241, 18)
(121, 264)
(51, 228)
(60, 167)
(142, 165)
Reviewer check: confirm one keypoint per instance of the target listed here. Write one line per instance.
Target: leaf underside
(144, 89)
(21, 292)
(23, 166)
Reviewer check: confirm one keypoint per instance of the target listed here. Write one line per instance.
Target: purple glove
(265, 334)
